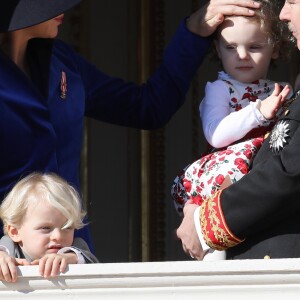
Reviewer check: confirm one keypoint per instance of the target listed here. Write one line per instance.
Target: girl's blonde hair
(268, 18)
(38, 187)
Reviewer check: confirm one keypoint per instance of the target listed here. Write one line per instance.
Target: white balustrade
(244, 279)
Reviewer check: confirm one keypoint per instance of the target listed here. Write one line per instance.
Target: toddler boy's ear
(13, 233)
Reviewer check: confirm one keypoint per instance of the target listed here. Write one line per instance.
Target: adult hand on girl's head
(205, 20)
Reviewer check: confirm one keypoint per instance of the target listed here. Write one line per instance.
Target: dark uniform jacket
(259, 216)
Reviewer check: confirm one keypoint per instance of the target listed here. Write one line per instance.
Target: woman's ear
(13, 233)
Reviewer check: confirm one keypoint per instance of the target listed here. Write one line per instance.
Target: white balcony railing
(247, 279)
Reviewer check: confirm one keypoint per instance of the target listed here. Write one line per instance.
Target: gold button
(286, 112)
(267, 257)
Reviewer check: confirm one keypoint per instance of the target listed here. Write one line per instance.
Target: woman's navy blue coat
(41, 131)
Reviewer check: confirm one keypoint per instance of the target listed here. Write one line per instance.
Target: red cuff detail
(215, 231)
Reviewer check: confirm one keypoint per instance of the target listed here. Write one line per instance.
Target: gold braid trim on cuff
(215, 231)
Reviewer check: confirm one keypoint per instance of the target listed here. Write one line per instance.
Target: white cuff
(3, 248)
(210, 254)
(198, 228)
(213, 255)
(259, 116)
(80, 257)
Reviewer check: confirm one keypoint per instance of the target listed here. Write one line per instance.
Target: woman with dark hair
(46, 88)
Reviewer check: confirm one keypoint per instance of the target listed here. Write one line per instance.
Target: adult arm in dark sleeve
(263, 199)
(151, 104)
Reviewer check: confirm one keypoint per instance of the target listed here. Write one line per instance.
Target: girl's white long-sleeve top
(229, 109)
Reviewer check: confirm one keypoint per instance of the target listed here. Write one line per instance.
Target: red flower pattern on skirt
(203, 178)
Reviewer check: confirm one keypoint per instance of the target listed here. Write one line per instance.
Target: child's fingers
(22, 262)
(13, 271)
(1, 275)
(277, 90)
(8, 272)
(42, 266)
(63, 266)
(277, 102)
(49, 267)
(55, 268)
(285, 92)
(4, 273)
(35, 262)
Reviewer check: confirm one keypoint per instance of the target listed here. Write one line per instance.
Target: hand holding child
(188, 234)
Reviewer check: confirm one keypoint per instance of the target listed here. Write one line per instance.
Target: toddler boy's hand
(51, 265)
(8, 269)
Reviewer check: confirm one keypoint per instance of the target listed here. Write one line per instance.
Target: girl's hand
(270, 106)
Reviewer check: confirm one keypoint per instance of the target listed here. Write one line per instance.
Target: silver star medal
(279, 135)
